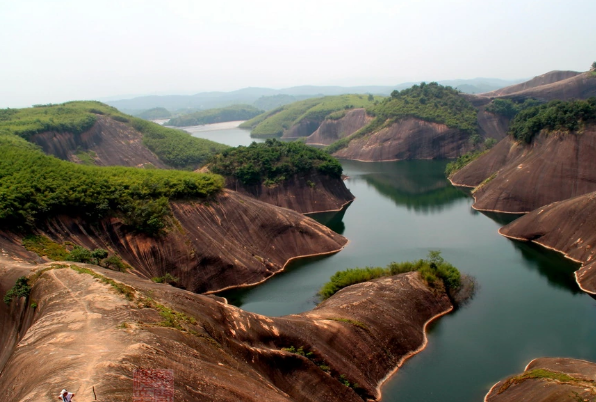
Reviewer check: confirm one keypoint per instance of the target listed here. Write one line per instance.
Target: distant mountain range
(267, 98)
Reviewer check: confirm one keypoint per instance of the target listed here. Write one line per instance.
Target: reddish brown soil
(544, 79)
(332, 130)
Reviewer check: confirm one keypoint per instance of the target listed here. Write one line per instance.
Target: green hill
(35, 186)
(274, 122)
(155, 113)
(174, 147)
(210, 116)
(430, 102)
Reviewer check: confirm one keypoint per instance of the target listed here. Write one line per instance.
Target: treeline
(510, 108)
(34, 187)
(275, 122)
(553, 116)
(429, 102)
(155, 113)
(210, 116)
(174, 147)
(434, 270)
(273, 162)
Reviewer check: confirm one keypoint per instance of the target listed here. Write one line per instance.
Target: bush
(20, 289)
(115, 261)
(80, 254)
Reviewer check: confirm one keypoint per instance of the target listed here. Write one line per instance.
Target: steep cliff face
(566, 226)
(111, 142)
(540, 80)
(304, 193)
(559, 379)
(519, 178)
(492, 125)
(409, 138)
(91, 338)
(229, 241)
(332, 130)
(303, 129)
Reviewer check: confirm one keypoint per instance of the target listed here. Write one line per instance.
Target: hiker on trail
(66, 396)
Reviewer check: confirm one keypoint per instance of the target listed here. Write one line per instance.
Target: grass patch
(44, 247)
(485, 181)
(541, 374)
(125, 290)
(462, 161)
(167, 278)
(349, 321)
(87, 158)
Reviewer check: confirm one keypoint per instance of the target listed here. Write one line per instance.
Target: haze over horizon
(67, 50)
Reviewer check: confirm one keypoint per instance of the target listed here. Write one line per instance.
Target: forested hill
(429, 102)
(275, 122)
(175, 148)
(209, 116)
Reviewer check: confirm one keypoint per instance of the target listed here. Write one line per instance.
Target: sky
(59, 50)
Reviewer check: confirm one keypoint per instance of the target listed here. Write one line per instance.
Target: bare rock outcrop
(110, 143)
(229, 241)
(582, 86)
(517, 177)
(303, 129)
(85, 335)
(566, 226)
(540, 80)
(409, 138)
(548, 379)
(304, 193)
(332, 130)
(492, 125)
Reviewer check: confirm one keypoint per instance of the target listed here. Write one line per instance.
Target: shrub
(20, 289)
(80, 254)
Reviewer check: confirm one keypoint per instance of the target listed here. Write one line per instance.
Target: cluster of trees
(273, 161)
(553, 116)
(209, 116)
(430, 102)
(274, 122)
(434, 270)
(36, 186)
(510, 108)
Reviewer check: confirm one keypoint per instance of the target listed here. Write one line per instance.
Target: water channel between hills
(527, 305)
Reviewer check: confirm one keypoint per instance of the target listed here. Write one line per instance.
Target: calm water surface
(225, 133)
(527, 306)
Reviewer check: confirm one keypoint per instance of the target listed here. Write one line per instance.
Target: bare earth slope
(566, 226)
(306, 194)
(114, 144)
(522, 177)
(86, 335)
(332, 130)
(582, 86)
(575, 382)
(544, 79)
(232, 240)
(409, 138)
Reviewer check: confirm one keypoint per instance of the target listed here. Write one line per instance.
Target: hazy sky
(59, 50)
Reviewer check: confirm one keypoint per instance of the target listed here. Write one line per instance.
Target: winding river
(527, 304)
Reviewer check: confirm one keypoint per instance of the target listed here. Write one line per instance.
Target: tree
(593, 67)
(80, 254)
(370, 97)
(99, 254)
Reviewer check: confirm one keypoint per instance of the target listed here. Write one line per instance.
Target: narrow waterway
(527, 304)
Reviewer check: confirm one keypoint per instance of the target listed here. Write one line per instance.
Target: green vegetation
(429, 102)
(167, 278)
(116, 263)
(509, 108)
(349, 321)
(462, 161)
(43, 246)
(121, 288)
(545, 375)
(155, 113)
(272, 162)
(274, 122)
(35, 186)
(20, 289)
(86, 157)
(176, 148)
(552, 116)
(209, 116)
(436, 272)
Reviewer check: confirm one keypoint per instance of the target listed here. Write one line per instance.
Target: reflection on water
(417, 185)
(333, 220)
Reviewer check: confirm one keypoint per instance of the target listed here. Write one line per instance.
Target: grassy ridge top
(272, 162)
(552, 116)
(174, 147)
(274, 122)
(155, 113)
(209, 116)
(35, 186)
(429, 102)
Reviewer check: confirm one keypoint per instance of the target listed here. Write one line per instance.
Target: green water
(527, 305)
